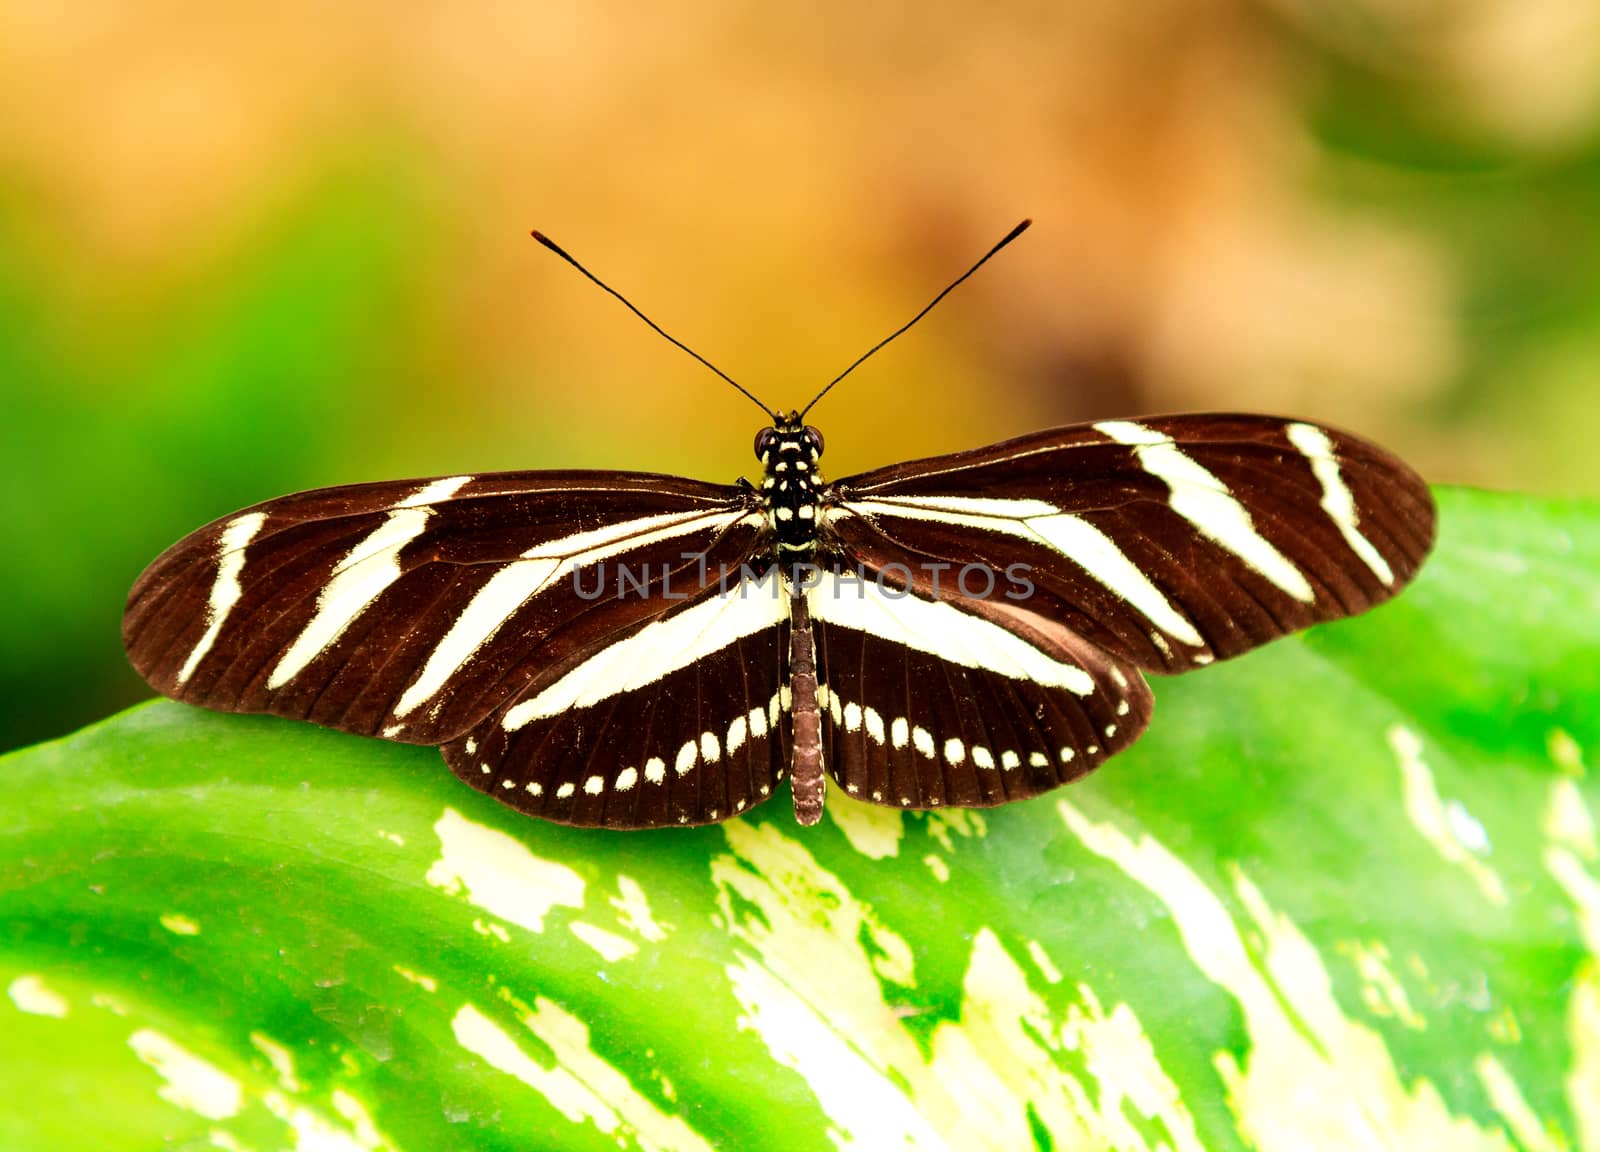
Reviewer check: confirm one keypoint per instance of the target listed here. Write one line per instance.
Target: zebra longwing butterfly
(629, 650)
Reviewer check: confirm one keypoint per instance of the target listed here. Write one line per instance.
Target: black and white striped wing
(1167, 542)
(682, 721)
(933, 703)
(413, 610)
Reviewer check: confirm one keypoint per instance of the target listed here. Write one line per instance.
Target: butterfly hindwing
(936, 703)
(679, 721)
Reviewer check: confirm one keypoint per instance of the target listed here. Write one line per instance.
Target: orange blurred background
(254, 248)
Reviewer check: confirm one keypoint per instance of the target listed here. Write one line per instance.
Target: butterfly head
(788, 441)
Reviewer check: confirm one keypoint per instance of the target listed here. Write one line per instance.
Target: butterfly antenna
(567, 256)
(1009, 237)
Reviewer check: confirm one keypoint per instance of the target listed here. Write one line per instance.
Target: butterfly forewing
(412, 610)
(1168, 542)
(937, 703)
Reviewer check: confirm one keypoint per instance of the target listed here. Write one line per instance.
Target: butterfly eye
(764, 441)
(815, 437)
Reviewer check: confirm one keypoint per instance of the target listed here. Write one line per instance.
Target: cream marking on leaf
(873, 831)
(1314, 1080)
(633, 909)
(941, 630)
(30, 994)
(1337, 500)
(810, 974)
(179, 924)
(189, 1082)
(1205, 502)
(658, 649)
(1429, 815)
(582, 1086)
(225, 589)
(497, 873)
(426, 983)
(608, 945)
(1381, 988)
(1507, 1099)
(1041, 961)
(281, 1059)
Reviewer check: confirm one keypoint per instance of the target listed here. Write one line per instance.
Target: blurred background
(252, 248)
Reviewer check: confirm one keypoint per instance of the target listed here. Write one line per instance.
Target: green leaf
(1345, 894)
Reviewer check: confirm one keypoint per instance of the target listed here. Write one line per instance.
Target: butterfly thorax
(792, 489)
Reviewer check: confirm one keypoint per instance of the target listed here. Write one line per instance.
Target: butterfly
(630, 650)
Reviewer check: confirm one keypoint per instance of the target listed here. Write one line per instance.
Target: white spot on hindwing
(655, 770)
(736, 735)
(565, 790)
(686, 758)
(626, 780)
